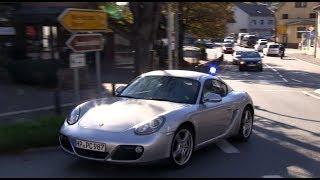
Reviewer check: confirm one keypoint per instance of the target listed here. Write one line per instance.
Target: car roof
(180, 73)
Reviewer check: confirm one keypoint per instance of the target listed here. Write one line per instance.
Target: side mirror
(119, 90)
(212, 97)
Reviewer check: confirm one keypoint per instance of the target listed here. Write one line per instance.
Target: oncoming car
(164, 114)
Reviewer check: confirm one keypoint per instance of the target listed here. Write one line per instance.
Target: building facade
(317, 34)
(252, 18)
(293, 22)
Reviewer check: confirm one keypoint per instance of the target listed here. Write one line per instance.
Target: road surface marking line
(308, 94)
(272, 176)
(271, 68)
(33, 110)
(226, 147)
(296, 80)
(284, 79)
(280, 75)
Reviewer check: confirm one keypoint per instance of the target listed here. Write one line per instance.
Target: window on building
(300, 31)
(270, 22)
(254, 22)
(285, 16)
(312, 15)
(261, 22)
(300, 4)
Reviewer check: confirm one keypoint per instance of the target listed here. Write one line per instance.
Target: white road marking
(271, 67)
(280, 75)
(226, 147)
(296, 80)
(272, 176)
(33, 110)
(308, 94)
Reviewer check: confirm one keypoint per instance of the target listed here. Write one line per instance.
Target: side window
(214, 86)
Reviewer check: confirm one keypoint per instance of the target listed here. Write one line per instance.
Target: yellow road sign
(83, 20)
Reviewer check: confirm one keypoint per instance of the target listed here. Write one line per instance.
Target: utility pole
(169, 35)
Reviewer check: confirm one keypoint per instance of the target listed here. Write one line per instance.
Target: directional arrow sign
(85, 42)
(83, 20)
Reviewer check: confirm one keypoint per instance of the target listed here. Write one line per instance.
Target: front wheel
(182, 147)
(246, 125)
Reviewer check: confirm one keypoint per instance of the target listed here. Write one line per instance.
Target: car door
(214, 118)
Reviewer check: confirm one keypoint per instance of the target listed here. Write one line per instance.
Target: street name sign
(85, 42)
(83, 20)
(77, 60)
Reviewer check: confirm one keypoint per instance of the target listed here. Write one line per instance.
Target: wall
(242, 21)
(293, 12)
(264, 29)
(318, 34)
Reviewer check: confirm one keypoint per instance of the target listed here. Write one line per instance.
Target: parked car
(236, 55)
(250, 60)
(249, 41)
(191, 55)
(216, 52)
(228, 48)
(160, 115)
(260, 45)
(271, 49)
(228, 39)
(262, 40)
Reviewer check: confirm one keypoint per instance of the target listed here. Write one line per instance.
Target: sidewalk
(295, 53)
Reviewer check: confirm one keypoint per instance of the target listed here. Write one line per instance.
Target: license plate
(251, 65)
(91, 145)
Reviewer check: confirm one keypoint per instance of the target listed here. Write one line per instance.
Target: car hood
(120, 114)
(250, 59)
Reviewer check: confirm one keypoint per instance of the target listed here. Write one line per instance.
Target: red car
(228, 48)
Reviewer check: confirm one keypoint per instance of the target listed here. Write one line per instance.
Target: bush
(41, 72)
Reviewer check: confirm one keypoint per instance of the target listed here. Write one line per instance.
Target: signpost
(77, 60)
(85, 42)
(85, 21)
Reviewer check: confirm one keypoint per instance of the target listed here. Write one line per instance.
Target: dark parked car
(250, 60)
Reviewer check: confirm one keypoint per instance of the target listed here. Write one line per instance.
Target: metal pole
(76, 84)
(169, 34)
(98, 73)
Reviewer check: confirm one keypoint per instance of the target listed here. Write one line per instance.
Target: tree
(203, 20)
(139, 24)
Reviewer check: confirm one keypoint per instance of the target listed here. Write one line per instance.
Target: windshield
(228, 45)
(239, 52)
(191, 53)
(163, 88)
(252, 54)
(274, 46)
(263, 43)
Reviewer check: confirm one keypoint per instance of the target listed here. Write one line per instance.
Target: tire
(244, 136)
(174, 160)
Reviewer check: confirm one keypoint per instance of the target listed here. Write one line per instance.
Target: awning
(37, 15)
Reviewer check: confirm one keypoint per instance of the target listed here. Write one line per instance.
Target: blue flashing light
(213, 70)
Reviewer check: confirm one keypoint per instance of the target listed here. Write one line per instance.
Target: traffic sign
(85, 42)
(77, 60)
(83, 20)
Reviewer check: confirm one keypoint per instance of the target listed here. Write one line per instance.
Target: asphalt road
(285, 140)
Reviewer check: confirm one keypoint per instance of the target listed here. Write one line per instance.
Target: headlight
(74, 116)
(242, 62)
(259, 62)
(150, 127)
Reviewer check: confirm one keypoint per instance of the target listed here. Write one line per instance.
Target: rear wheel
(246, 125)
(182, 147)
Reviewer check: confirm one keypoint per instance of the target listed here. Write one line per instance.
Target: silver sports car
(160, 115)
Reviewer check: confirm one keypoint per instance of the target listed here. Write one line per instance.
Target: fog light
(138, 149)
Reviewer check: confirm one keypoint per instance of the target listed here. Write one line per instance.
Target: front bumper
(155, 146)
(251, 66)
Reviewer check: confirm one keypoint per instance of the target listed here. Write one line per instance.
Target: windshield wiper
(157, 99)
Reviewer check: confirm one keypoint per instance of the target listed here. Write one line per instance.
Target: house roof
(254, 9)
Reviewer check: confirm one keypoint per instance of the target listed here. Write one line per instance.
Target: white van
(240, 37)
